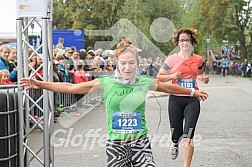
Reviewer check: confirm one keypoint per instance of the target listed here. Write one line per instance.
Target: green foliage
(103, 14)
(219, 19)
(227, 19)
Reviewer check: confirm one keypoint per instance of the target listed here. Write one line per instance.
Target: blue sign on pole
(70, 37)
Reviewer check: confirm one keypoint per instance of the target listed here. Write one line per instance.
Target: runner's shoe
(174, 150)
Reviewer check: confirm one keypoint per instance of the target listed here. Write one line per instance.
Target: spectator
(214, 67)
(244, 68)
(5, 78)
(83, 54)
(235, 68)
(90, 64)
(239, 69)
(69, 64)
(95, 64)
(63, 69)
(4, 54)
(101, 62)
(207, 68)
(89, 48)
(218, 72)
(67, 58)
(32, 64)
(84, 58)
(57, 77)
(91, 54)
(12, 61)
(79, 76)
(109, 65)
(60, 44)
(82, 50)
(231, 67)
(73, 48)
(76, 58)
(39, 66)
(224, 67)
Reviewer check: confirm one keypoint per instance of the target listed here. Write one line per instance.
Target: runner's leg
(191, 114)
(117, 154)
(176, 117)
(141, 153)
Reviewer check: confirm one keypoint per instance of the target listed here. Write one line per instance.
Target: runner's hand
(177, 75)
(28, 83)
(201, 95)
(205, 79)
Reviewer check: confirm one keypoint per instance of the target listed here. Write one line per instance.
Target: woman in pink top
(184, 67)
(79, 77)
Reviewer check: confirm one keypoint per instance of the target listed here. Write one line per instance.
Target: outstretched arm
(62, 87)
(175, 89)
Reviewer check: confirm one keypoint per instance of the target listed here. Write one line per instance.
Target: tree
(142, 13)
(227, 19)
(86, 15)
(242, 17)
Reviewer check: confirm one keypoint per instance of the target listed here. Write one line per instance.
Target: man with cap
(69, 62)
(57, 77)
(101, 62)
(60, 44)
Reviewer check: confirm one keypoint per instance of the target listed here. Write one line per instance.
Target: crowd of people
(226, 65)
(94, 62)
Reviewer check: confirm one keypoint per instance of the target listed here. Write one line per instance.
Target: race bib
(186, 82)
(126, 122)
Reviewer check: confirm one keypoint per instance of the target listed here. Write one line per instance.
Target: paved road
(223, 136)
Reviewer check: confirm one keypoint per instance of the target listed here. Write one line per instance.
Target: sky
(8, 20)
(8, 16)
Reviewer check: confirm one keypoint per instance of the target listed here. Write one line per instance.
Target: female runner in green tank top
(124, 95)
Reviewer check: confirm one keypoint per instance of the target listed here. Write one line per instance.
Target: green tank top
(125, 107)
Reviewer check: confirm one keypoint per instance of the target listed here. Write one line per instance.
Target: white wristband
(192, 92)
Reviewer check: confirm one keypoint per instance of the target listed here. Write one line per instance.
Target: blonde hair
(5, 47)
(125, 45)
(4, 71)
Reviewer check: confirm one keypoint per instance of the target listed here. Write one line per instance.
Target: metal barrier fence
(63, 103)
(33, 115)
(66, 102)
(8, 126)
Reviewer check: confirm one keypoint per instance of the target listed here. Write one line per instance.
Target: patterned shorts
(132, 153)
